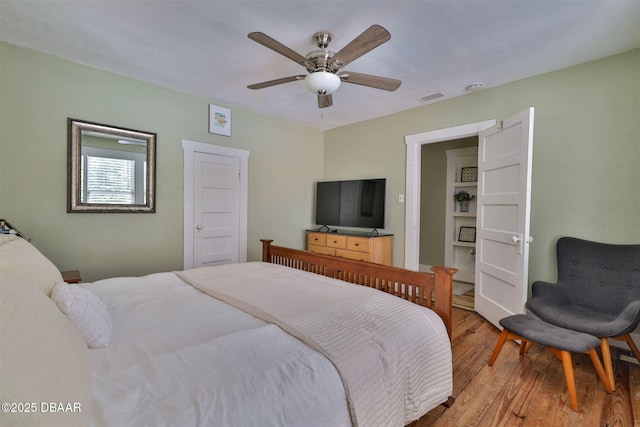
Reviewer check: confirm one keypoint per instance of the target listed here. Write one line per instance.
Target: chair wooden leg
(499, 344)
(571, 382)
(606, 360)
(595, 359)
(627, 338)
(524, 346)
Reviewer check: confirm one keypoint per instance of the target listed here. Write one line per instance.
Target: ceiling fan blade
(275, 45)
(276, 82)
(325, 101)
(371, 38)
(377, 82)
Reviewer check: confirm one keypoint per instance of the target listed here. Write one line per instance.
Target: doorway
(417, 145)
(414, 171)
(439, 220)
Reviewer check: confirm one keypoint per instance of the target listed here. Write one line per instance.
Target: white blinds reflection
(109, 180)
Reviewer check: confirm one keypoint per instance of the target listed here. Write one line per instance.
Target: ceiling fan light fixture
(322, 82)
(323, 64)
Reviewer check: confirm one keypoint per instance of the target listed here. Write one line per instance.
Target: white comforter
(394, 357)
(181, 358)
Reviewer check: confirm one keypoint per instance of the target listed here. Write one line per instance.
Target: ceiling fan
(323, 64)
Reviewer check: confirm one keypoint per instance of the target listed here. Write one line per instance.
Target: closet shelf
(463, 244)
(460, 254)
(465, 214)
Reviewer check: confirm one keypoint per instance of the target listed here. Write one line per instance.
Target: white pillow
(86, 311)
(43, 358)
(21, 259)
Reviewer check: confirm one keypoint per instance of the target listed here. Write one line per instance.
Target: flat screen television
(353, 203)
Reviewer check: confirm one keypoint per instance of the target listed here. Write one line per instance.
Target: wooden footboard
(431, 290)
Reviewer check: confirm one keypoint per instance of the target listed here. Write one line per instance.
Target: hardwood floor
(529, 391)
(466, 301)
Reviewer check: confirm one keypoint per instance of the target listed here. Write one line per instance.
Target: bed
(292, 340)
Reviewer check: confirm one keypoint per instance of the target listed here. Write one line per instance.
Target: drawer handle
(357, 244)
(335, 241)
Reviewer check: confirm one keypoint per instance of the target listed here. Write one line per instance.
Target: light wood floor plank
(530, 391)
(512, 407)
(634, 392)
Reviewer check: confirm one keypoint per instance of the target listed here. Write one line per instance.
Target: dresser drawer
(321, 250)
(337, 241)
(356, 247)
(358, 256)
(360, 244)
(317, 239)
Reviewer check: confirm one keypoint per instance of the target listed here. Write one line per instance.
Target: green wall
(586, 152)
(586, 179)
(37, 94)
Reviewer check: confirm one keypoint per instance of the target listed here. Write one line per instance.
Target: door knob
(198, 227)
(518, 242)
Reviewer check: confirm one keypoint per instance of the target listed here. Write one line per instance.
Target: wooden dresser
(357, 246)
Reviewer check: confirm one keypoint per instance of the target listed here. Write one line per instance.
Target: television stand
(357, 245)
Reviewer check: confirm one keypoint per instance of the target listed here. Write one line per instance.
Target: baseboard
(425, 268)
(629, 359)
(622, 345)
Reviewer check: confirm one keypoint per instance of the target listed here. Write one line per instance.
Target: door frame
(414, 144)
(191, 147)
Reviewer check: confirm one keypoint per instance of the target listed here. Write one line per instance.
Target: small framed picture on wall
(469, 174)
(219, 120)
(467, 234)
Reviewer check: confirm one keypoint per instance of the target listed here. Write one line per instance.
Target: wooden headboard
(431, 290)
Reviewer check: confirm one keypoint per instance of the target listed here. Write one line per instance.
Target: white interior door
(215, 204)
(504, 193)
(216, 209)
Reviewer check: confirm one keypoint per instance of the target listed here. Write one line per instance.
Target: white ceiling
(201, 47)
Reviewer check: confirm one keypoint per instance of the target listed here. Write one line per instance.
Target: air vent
(431, 97)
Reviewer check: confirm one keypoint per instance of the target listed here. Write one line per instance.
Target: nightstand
(71, 276)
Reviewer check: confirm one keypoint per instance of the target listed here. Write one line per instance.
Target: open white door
(504, 195)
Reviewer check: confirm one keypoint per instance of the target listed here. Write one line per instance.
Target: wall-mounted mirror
(111, 169)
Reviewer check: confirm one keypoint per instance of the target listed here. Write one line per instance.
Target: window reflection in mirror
(110, 169)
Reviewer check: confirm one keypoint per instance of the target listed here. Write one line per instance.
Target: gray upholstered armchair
(597, 292)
